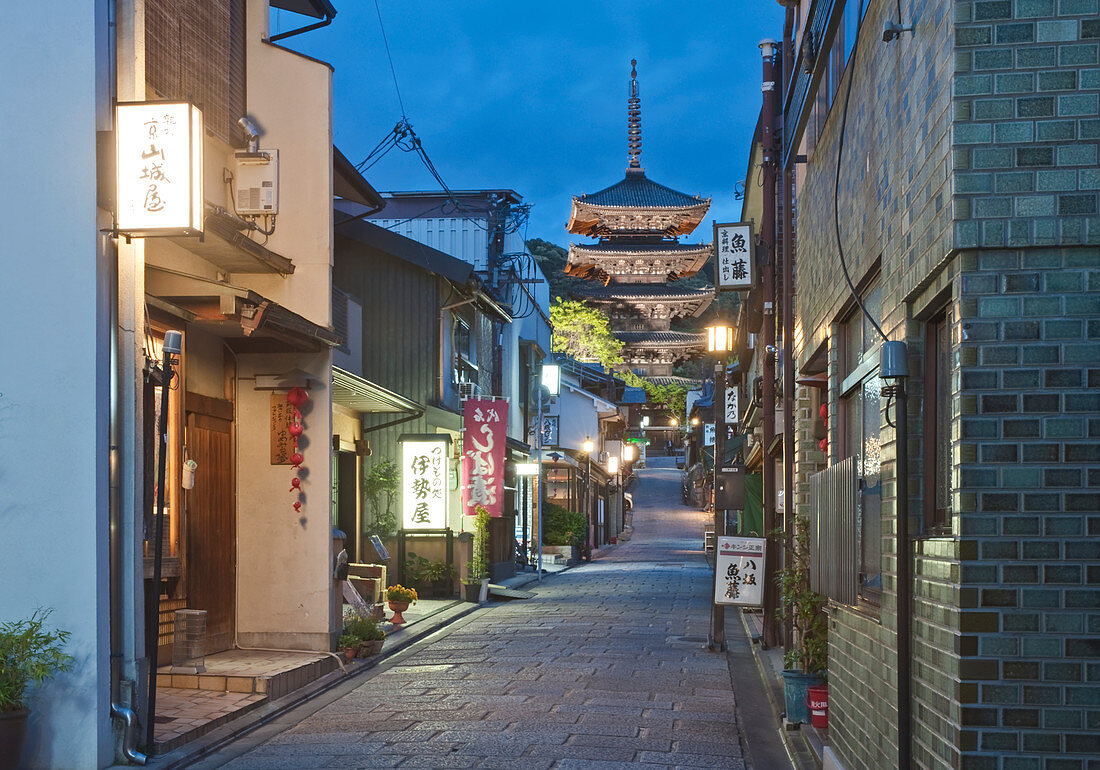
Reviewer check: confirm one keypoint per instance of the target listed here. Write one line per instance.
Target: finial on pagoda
(634, 118)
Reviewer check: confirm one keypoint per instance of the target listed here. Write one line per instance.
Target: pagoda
(637, 224)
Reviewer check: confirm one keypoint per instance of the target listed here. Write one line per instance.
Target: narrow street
(604, 668)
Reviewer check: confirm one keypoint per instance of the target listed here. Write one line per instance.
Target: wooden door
(211, 529)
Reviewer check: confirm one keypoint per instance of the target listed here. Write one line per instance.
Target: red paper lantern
(297, 397)
(295, 429)
(295, 484)
(296, 459)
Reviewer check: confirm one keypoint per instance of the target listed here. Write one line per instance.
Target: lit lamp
(588, 446)
(694, 420)
(628, 453)
(551, 378)
(673, 422)
(645, 421)
(158, 169)
(719, 339)
(612, 465)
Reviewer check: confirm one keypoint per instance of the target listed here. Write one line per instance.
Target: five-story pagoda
(638, 223)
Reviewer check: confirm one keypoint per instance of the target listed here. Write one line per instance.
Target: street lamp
(720, 343)
(550, 381)
(628, 453)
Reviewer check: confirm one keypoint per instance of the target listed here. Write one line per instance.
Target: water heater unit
(257, 182)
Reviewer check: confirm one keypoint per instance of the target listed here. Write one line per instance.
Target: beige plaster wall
(284, 558)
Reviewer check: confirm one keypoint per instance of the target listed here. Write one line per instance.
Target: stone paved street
(605, 668)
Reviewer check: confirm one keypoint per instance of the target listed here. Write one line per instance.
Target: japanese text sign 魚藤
(733, 256)
(739, 571)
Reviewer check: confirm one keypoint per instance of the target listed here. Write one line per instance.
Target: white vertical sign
(734, 267)
(732, 405)
(708, 434)
(424, 484)
(739, 571)
(159, 168)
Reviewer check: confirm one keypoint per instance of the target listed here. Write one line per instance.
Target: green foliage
(421, 572)
(803, 606)
(562, 526)
(380, 487)
(29, 654)
(478, 568)
(585, 333)
(359, 628)
(551, 258)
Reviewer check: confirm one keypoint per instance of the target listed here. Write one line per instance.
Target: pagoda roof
(684, 382)
(661, 339)
(637, 262)
(641, 292)
(637, 191)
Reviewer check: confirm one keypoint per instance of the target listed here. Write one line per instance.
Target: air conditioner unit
(469, 389)
(257, 182)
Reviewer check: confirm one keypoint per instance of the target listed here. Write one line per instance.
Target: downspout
(786, 179)
(767, 234)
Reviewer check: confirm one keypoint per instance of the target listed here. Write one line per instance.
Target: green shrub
(29, 654)
(478, 568)
(562, 526)
(362, 628)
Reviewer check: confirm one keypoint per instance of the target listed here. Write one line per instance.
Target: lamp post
(613, 470)
(627, 453)
(719, 343)
(550, 380)
(588, 447)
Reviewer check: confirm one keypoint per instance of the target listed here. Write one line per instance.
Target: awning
(225, 243)
(249, 322)
(363, 396)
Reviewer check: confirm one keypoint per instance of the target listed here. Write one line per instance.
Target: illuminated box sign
(159, 168)
(734, 267)
(424, 482)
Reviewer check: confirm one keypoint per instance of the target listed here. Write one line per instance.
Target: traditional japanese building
(638, 223)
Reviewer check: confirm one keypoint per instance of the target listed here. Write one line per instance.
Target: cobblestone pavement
(605, 668)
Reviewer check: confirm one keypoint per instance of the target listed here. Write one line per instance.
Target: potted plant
(805, 663)
(399, 598)
(564, 528)
(434, 576)
(477, 571)
(348, 644)
(380, 487)
(29, 655)
(366, 632)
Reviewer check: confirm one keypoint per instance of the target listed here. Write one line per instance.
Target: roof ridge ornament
(634, 119)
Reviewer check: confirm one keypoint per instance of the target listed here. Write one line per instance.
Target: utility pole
(717, 641)
(767, 236)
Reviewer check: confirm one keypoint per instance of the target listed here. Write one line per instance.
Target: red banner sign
(484, 422)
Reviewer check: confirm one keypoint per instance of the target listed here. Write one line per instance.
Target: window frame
(936, 520)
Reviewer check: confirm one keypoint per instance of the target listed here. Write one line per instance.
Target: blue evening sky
(532, 95)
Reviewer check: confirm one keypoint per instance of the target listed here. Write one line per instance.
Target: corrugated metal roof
(359, 394)
(638, 191)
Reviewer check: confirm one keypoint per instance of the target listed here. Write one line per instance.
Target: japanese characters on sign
(484, 423)
(739, 571)
(549, 433)
(708, 434)
(424, 483)
(733, 252)
(159, 168)
(732, 405)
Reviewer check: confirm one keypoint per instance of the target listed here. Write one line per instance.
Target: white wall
(54, 382)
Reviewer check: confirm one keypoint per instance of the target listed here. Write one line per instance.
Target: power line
(393, 72)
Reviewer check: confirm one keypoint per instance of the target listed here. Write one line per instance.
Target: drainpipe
(767, 235)
(330, 14)
(129, 720)
(787, 303)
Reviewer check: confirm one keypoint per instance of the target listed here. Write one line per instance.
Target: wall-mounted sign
(733, 262)
(527, 469)
(708, 434)
(739, 571)
(484, 422)
(549, 430)
(424, 481)
(159, 168)
(282, 417)
(732, 405)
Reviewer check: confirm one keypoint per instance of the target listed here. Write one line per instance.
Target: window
(861, 415)
(465, 351)
(937, 422)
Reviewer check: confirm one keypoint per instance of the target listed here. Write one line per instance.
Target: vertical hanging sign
(159, 168)
(484, 422)
(733, 266)
(731, 399)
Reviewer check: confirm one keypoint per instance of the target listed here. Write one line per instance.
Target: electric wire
(393, 71)
(836, 178)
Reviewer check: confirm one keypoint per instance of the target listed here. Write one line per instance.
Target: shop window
(464, 345)
(937, 422)
(861, 415)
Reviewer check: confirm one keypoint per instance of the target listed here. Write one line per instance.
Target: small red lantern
(297, 397)
(295, 429)
(295, 484)
(296, 459)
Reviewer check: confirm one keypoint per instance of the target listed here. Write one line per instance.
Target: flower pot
(472, 591)
(818, 703)
(398, 608)
(13, 730)
(796, 687)
(371, 647)
(348, 653)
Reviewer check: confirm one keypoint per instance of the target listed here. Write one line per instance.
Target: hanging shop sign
(739, 571)
(708, 434)
(732, 400)
(733, 262)
(424, 481)
(549, 430)
(158, 169)
(484, 422)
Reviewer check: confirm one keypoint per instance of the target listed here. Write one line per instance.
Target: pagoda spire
(634, 118)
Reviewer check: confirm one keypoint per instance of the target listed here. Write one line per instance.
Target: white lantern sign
(159, 168)
(733, 253)
(424, 481)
